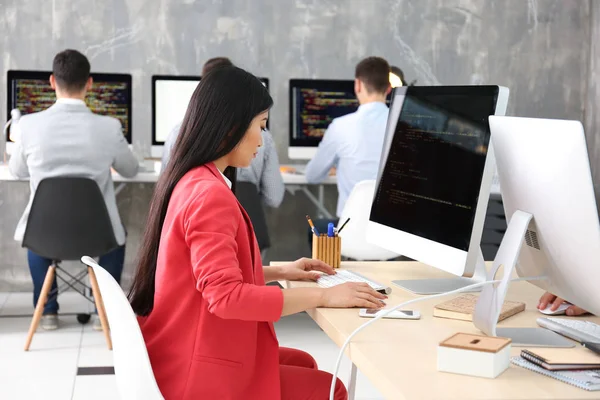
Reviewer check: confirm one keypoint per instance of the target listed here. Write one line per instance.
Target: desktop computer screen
(30, 91)
(170, 98)
(313, 105)
(430, 184)
(435, 175)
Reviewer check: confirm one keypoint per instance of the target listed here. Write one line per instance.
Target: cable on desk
(378, 317)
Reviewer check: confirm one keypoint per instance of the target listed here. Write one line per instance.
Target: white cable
(386, 312)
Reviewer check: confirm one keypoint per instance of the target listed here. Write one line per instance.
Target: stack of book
(578, 367)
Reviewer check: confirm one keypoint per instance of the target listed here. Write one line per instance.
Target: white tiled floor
(49, 369)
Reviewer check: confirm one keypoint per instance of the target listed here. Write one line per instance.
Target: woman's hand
(305, 269)
(549, 298)
(352, 294)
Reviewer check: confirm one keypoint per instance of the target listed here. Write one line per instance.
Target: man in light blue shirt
(353, 143)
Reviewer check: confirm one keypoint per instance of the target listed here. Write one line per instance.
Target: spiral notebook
(584, 379)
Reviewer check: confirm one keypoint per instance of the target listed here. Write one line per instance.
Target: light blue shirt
(263, 171)
(353, 144)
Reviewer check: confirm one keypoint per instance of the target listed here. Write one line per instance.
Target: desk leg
(352, 383)
(318, 202)
(118, 189)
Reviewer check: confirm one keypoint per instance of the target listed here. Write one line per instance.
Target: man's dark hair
(216, 62)
(71, 70)
(374, 72)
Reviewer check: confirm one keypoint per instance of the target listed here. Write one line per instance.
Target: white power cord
(386, 312)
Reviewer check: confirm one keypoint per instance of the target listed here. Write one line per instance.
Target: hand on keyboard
(306, 269)
(548, 299)
(351, 294)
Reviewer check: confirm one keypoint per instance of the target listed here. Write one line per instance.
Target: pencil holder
(327, 249)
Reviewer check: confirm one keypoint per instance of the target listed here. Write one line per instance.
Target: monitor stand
(437, 286)
(489, 304)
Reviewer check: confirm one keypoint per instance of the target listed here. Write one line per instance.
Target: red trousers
(301, 380)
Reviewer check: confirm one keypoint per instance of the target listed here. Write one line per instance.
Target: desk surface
(151, 176)
(400, 356)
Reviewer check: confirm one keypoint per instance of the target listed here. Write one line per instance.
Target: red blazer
(210, 334)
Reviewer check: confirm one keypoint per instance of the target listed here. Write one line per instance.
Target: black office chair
(249, 198)
(68, 219)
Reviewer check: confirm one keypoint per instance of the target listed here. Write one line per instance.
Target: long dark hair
(221, 109)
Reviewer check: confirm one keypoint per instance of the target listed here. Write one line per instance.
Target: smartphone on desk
(398, 314)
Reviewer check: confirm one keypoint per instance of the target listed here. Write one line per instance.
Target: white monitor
(544, 170)
(434, 180)
(170, 98)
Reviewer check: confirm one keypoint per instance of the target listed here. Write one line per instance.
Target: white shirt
(353, 144)
(227, 181)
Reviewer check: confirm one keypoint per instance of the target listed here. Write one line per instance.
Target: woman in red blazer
(205, 311)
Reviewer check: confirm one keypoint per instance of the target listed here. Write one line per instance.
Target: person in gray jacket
(67, 139)
(264, 170)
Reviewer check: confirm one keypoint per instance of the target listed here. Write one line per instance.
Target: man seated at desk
(353, 143)
(264, 170)
(68, 139)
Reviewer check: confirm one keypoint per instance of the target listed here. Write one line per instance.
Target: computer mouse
(561, 310)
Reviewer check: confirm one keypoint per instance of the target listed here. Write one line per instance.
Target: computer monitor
(314, 103)
(30, 91)
(434, 180)
(170, 98)
(544, 170)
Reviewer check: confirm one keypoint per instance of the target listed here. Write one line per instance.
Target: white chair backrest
(133, 371)
(354, 234)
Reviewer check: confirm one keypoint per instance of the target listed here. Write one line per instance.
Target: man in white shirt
(353, 143)
(68, 139)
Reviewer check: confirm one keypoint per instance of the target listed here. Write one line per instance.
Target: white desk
(399, 356)
(297, 182)
(293, 181)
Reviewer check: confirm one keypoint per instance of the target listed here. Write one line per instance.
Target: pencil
(343, 225)
(312, 226)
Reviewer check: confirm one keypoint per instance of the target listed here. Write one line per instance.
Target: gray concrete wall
(540, 49)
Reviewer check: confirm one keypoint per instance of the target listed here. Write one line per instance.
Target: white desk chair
(135, 378)
(354, 234)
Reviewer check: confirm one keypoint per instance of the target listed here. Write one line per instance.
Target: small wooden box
(327, 249)
(474, 355)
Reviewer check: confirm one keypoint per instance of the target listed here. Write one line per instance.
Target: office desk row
(294, 182)
(400, 356)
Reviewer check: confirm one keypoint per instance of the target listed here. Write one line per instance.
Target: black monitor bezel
(96, 76)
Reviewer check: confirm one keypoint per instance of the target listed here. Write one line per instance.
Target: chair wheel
(84, 318)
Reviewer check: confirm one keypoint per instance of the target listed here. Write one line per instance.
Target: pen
(312, 226)
(330, 231)
(342, 227)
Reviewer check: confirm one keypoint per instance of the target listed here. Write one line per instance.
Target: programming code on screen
(315, 109)
(105, 98)
(431, 180)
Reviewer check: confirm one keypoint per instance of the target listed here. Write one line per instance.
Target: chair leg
(39, 308)
(100, 307)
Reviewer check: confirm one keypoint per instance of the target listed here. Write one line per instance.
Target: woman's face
(247, 149)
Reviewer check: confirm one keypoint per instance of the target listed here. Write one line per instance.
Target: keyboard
(344, 276)
(579, 330)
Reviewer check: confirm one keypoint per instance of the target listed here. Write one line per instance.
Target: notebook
(556, 359)
(586, 379)
(462, 308)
